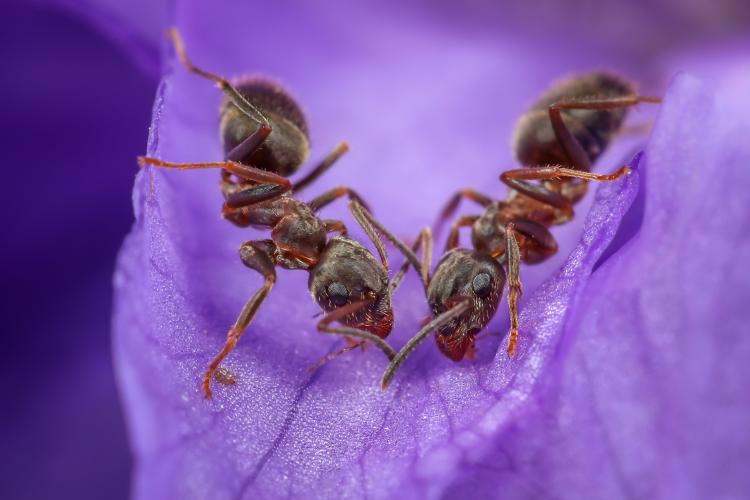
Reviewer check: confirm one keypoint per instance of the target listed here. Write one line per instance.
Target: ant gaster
(265, 136)
(557, 141)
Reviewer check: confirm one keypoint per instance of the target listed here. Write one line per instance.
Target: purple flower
(629, 381)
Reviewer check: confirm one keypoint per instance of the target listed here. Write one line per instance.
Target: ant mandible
(265, 134)
(557, 140)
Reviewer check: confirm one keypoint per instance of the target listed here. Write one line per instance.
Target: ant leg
(332, 195)
(514, 285)
(321, 167)
(417, 339)
(450, 208)
(237, 98)
(252, 195)
(335, 226)
(335, 354)
(517, 179)
(370, 223)
(567, 140)
(270, 185)
(245, 172)
(250, 144)
(463, 221)
(256, 255)
(340, 313)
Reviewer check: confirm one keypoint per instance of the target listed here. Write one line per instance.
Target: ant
(265, 137)
(557, 140)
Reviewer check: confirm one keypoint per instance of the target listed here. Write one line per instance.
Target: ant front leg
(245, 172)
(330, 357)
(324, 326)
(321, 167)
(515, 289)
(256, 255)
(518, 179)
(565, 137)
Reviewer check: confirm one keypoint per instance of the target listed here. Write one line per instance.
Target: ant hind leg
(565, 137)
(518, 179)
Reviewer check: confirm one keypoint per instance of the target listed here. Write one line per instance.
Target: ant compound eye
(482, 284)
(338, 293)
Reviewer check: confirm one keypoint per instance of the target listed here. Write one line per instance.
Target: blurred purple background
(76, 110)
(75, 114)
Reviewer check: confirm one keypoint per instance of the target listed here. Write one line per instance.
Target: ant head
(464, 274)
(347, 273)
(289, 143)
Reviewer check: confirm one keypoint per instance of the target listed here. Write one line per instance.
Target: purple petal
(333, 431)
(530, 427)
(662, 348)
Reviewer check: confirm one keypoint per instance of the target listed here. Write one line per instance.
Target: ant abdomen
(534, 141)
(288, 145)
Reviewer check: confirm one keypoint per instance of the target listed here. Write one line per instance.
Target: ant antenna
(237, 98)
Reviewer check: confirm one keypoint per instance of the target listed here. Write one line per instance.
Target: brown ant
(557, 141)
(265, 134)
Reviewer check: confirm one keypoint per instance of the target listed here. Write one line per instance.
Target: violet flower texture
(630, 381)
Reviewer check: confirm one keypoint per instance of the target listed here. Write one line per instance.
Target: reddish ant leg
(515, 289)
(336, 354)
(245, 172)
(565, 137)
(271, 185)
(255, 255)
(517, 179)
(338, 315)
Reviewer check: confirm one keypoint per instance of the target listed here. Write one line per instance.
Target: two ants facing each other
(266, 139)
